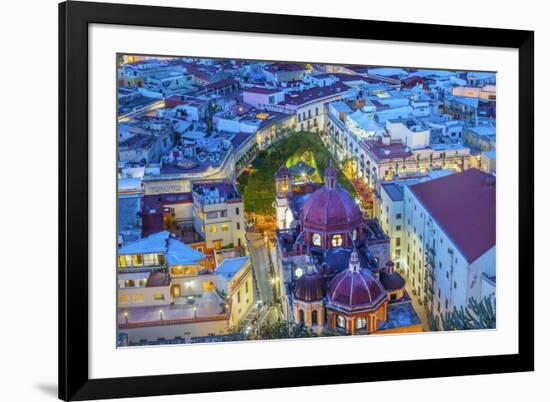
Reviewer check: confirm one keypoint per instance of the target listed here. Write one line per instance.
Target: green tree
(477, 315)
(284, 330)
(259, 188)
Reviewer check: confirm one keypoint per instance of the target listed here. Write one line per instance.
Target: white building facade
(446, 257)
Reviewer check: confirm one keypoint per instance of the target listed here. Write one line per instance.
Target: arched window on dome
(337, 240)
(341, 321)
(316, 239)
(314, 319)
(301, 316)
(361, 322)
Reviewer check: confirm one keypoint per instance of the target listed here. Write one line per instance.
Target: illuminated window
(125, 261)
(138, 298)
(225, 227)
(158, 296)
(137, 260)
(123, 299)
(143, 282)
(129, 283)
(184, 270)
(213, 229)
(316, 239)
(341, 321)
(354, 234)
(336, 240)
(361, 322)
(150, 259)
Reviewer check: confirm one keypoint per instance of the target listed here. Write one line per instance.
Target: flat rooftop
(216, 190)
(209, 306)
(380, 151)
(400, 315)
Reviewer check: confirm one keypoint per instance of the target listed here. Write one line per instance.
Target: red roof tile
(314, 94)
(358, 289)
(261, 90)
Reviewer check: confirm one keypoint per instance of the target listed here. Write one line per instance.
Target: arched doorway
(314, 318)
(301, 316)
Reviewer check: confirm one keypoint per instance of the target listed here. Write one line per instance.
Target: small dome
(355, 288)
(310, 286)
(392, 281)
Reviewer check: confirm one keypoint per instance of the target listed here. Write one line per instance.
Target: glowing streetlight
(161, 315)
(195, 311)
(126, 317)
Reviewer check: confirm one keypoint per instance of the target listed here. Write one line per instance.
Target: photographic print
(287, 199)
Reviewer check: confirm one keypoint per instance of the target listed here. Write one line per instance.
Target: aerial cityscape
(269, 200)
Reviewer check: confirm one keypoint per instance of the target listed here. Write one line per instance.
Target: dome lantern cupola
(330, 177)
(354, 265)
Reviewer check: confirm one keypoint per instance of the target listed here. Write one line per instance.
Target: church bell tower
(283, 183)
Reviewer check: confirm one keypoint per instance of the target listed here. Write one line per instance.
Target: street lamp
(161, 316)
(126, 317)
(195, 311)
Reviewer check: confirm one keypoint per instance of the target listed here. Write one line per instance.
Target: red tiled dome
(355, 288)
(331, 209)
(309, 287)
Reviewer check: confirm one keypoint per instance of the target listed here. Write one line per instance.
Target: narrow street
(419, 308)
(260, 262)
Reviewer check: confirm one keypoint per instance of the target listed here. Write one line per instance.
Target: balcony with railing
(429, 274)
(209, 307)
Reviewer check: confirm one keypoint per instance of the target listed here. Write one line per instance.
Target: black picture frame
(74, 19)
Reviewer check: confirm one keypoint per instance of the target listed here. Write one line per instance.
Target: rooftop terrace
(208, 307)
(216, 191)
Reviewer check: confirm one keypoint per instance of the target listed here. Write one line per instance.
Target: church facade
(334, 266)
